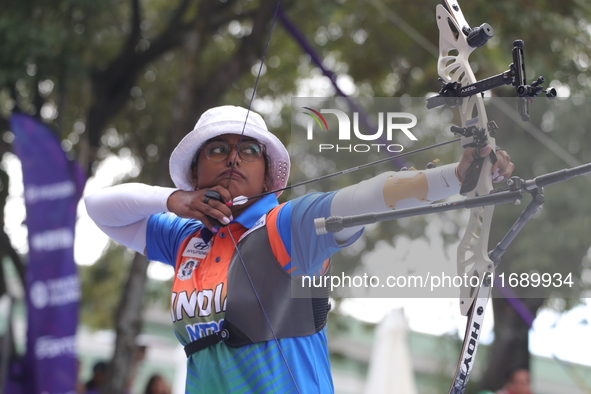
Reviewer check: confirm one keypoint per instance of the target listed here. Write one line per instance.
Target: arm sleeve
(390, 190)
(394, 190)
(122, 211)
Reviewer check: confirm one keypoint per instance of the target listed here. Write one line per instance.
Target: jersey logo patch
(196, 248)
(186, 269)
(260, 223)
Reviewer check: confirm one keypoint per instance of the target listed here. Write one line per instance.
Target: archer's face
(247, 178)
(520, 382)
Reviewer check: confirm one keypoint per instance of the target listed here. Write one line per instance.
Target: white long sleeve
(394, 190)
(122, 211)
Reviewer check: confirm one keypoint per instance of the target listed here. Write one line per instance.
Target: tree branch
(250, 49)
(136, 20)
(111, 86)
(4, 124)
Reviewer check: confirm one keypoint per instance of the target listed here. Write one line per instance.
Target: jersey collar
(249, 217)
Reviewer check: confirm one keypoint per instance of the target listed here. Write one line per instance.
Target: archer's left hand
(501, 170)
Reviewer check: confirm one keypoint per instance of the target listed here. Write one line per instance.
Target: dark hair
(511, 372)
(100, 366)
(151, 382)
(268, 175)
(195, 160)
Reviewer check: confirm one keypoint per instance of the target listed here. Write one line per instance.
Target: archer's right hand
(195, 205)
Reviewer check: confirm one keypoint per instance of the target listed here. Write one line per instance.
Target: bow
(460, 88)
(454, 69)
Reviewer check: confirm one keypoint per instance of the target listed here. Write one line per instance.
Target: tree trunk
(510, 348)
(128, 326)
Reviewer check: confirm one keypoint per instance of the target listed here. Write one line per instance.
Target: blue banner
(53, 186)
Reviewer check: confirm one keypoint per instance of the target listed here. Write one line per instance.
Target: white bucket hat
(229, 120)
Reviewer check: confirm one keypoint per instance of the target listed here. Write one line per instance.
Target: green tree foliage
(131, 78)
(103, 284)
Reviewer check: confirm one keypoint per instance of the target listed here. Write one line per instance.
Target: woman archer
(232, 344)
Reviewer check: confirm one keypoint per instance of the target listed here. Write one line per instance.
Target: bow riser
(453, 66)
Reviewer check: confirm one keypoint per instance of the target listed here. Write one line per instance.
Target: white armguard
(122, 211)
(394, 190)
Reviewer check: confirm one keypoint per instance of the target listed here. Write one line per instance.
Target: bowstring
(254, 90)
(234, 160)
(260, 302)
(352, 169)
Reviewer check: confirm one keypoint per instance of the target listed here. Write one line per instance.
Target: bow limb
(453, 66)
(473, 261)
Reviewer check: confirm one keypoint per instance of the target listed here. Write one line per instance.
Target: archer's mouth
(232, 174)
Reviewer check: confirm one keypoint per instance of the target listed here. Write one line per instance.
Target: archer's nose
(234, 156)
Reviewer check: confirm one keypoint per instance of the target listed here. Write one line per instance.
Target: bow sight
(452, 93)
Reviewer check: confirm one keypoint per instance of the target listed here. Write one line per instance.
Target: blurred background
(119, 83)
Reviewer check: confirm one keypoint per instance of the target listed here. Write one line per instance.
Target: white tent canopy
(390, 368)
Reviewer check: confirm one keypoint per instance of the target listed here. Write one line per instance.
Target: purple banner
(53, 186)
